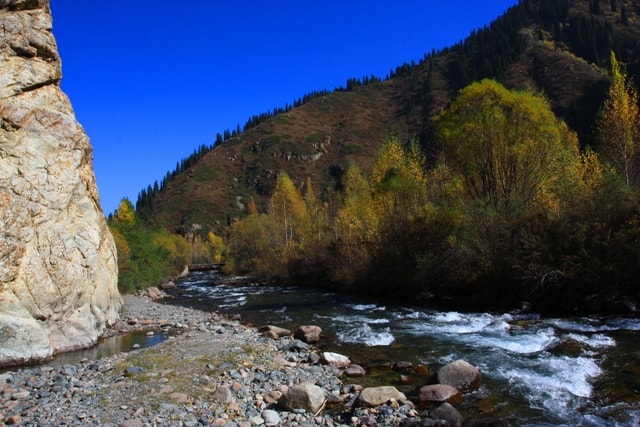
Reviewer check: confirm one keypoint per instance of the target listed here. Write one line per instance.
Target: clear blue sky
(152, 81)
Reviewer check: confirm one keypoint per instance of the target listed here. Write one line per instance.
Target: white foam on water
(485, 331)
(367, 336)
(454, 323)
(405, 313)
(556, 384)
(233, 300)
(449, 316)
(521, 343)
(351, 319)
(589, 324)
(366, 307)
(593, 341)
(509, 348)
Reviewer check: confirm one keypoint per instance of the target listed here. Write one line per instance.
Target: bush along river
(536, 371)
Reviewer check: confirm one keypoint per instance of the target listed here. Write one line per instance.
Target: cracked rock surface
(58, 268)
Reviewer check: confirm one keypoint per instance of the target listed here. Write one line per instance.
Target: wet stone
(197, 378)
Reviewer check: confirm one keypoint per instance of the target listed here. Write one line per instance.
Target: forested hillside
(369, 185)
(560, 48)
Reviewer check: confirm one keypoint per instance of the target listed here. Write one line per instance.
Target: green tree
(125, 214)
(146, 256)
(507, 146)
(511, 156)
(356, 226)
(398, 178)
(617, 128)
(175, 248)
(253, 248)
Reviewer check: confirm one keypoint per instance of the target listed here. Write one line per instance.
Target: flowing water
(536, 371)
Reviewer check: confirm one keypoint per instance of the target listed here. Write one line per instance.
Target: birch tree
(617, 131)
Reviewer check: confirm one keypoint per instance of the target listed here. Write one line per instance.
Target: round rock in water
(461, 375)
(440, 393)
(446, 412)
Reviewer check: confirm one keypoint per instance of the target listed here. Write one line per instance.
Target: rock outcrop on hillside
(58, 267)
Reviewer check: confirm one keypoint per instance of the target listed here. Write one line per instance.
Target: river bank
(211, 371)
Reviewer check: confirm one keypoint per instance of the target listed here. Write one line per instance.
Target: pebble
(215, 372)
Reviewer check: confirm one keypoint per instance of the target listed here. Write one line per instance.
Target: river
(536, 371)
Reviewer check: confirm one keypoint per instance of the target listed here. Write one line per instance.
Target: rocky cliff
(58, 267)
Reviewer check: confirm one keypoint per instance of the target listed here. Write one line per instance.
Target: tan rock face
(58, 267)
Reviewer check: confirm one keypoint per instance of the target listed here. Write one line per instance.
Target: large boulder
(305, 396)
(461, 375)
(58, 266)
(375, 396)
(308, 333)
(335, 359)
(439, 393)
(449, 414)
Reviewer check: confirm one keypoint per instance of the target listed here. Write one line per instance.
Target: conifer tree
(125, 214)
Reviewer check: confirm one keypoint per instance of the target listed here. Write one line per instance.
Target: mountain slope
(559, 48)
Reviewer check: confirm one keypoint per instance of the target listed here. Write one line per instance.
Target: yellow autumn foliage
(618, 125)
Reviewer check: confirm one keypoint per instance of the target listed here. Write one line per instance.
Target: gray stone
(404, 366)
(440, 393)
(355, 370)
(375, 396)
(168, 286)
(6, 378)
(446, 412)
(308, 397)
(256, 420)
(308, 333)
(297, 345)
(136, 422)
(223, 394)
(461, 375)
(314, 358)
(335, 359)
(132, 370)
(155, 293)
(271, 418)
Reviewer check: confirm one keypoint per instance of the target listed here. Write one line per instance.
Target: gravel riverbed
(211, 371)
